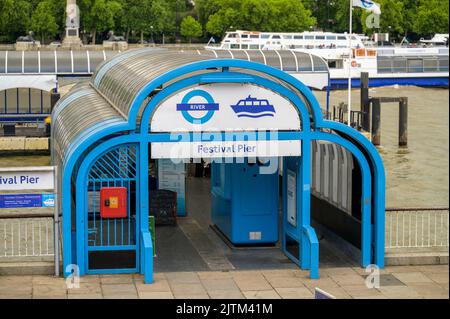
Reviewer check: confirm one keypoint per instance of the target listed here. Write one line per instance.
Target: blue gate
(112, 244)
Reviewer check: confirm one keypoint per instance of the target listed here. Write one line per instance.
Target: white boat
(250, 40)
(438, 39)
(387, 65)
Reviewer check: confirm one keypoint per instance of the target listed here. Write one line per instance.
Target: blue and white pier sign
(26, 200)
(27, 178)
(13, 180)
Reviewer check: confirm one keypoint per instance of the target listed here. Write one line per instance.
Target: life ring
(354, 64)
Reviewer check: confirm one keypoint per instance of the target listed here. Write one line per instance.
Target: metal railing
(26, 236)
(417, 228)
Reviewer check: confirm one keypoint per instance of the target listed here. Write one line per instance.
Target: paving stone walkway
(344, 282)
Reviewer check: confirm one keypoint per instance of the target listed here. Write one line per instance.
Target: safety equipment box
(113, 202)
(245, 202)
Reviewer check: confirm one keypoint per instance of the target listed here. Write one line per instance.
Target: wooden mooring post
(365, 101)
(403, 122)
(402, 119)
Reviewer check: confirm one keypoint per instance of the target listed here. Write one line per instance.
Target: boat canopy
(85, 62)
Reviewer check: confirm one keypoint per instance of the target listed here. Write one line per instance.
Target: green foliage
(17, 17)
(43, 21)
(14, 18)
(100, 15)
(259, 15)
(431, 17)
(391, 19)
(191, 28)
(148, 16)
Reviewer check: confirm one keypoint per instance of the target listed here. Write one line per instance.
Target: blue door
(112, 245)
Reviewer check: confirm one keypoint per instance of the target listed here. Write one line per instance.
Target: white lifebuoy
(354, 64)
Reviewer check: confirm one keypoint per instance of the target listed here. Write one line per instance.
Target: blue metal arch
(224, 63)
(366, 193)
(379, 191)
(232, 77)
(85, 140)
(81, 179)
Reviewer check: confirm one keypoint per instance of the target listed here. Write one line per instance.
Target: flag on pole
(368, 5)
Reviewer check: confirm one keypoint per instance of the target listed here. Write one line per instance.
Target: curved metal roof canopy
(116, 84)
(107, 110)
(85, 62)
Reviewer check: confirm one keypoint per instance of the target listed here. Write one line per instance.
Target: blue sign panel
(198, 107)
(48, 200)
(27, 200)
(253, 107)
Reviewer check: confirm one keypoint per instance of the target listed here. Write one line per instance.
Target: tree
(14, 18)
(324, 11)
(100, 16)
(391, 18)
(343, 17)
(431, 17)
(145, 16)
(43, 21)
(258, 15)
(191, 28)
(221, 21)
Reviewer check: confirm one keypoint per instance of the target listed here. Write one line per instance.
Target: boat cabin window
(331, 37)
(276, 37)
(244, 46)
(309, 37)
(320, 37)
(354, 38)
(235, 46)
(265, 36)
(298, 37)
(254, 46)
(287, 37)
(244, 36)
(254, 36)
(342, 37)
(233, 35)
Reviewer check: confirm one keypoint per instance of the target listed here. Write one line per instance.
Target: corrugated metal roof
(74, 114)
(85, 62)
(81, 62)
(116, 83)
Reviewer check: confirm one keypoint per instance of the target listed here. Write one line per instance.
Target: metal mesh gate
(112, 242)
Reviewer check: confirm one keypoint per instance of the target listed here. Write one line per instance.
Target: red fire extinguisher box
(113, 202)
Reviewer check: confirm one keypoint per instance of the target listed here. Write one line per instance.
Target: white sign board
(225, 107)
(26, 178)
(225, 149)
(171, 176)
(292, 198)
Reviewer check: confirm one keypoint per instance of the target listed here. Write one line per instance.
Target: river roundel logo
(206, 108)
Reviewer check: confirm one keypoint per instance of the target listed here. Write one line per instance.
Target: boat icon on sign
(253, 107)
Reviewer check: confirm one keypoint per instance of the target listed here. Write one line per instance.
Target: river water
(417, 176)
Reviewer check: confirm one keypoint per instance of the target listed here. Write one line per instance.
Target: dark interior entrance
(194, 245)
